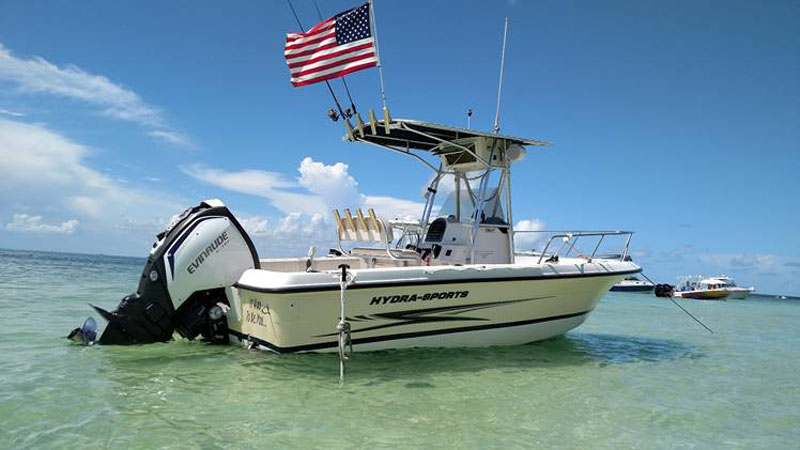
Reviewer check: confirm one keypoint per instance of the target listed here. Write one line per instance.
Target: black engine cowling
(182, 285)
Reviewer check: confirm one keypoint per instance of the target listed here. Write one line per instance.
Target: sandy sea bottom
(638, 374)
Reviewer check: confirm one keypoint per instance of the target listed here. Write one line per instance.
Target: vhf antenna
(500, 84)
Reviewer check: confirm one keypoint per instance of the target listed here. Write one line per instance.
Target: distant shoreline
(774, 296)
(106, 255)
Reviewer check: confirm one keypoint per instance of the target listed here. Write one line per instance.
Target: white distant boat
(633, 284)
(451, 279)
(701, 288)
(734, 291)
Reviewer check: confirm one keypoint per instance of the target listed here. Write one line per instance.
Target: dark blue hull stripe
(394, 337)
(179, 242)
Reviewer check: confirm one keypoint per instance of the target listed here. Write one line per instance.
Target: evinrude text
(220, 241)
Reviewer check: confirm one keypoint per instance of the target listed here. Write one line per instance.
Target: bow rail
(569, 240)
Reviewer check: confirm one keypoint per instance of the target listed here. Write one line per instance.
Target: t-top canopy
(416, 135)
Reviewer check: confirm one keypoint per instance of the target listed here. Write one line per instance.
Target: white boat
(700, 288)
(451, 279)
(633, 284)
(734, 291)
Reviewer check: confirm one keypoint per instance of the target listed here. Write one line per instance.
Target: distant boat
(701, 289)
(633, 284)
(734, 291)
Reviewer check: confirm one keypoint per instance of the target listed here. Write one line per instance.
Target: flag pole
(374, 31)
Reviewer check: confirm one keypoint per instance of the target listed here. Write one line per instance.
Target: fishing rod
(330, 89)
(679, 306)
(346, 88)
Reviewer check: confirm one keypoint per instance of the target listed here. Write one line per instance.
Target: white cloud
(394, 208)
(253, 182)
(87, 205)
(292, 225)
(291, 234)
(34, 156)
(38, 76)
(322, 188)
(677, 253)
(270, 185)
(11, 113)
(171, 137)
(306, 202)
(35, 224)
(43, 168)
(332, 183)
(753, 260)
(765, 264)
(528, 238)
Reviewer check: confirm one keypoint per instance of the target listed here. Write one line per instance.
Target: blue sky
(679, 120)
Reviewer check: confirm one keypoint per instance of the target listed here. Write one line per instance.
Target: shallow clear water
(638, 374)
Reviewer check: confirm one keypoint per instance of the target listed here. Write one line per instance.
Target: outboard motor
(664, 290)
(182, 287)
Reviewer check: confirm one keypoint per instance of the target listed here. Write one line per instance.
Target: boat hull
(417, 313)
(705, 294)
(639, 289)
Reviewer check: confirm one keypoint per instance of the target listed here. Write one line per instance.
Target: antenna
(374, 32)
(500, 84)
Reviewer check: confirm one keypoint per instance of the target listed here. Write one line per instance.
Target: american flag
(335, 47)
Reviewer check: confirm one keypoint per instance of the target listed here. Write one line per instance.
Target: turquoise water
(638, 374)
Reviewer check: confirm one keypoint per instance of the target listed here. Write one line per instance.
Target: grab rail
(571, 237)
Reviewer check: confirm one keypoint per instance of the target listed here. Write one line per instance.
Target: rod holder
(360, 125)
(349, 126)
(372, 122)
(386, 119)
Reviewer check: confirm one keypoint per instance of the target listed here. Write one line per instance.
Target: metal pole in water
(343, 327)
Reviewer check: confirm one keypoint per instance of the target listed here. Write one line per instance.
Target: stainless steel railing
(570, 238)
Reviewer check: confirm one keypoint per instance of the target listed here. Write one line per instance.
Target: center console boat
(450, 279)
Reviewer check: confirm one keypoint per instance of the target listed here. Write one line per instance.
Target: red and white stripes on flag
(335, 47)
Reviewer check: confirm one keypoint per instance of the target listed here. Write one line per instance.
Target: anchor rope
(679, 306)
(343, 328)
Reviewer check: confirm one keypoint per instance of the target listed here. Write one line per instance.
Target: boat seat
(359, 229)
(368, 229)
